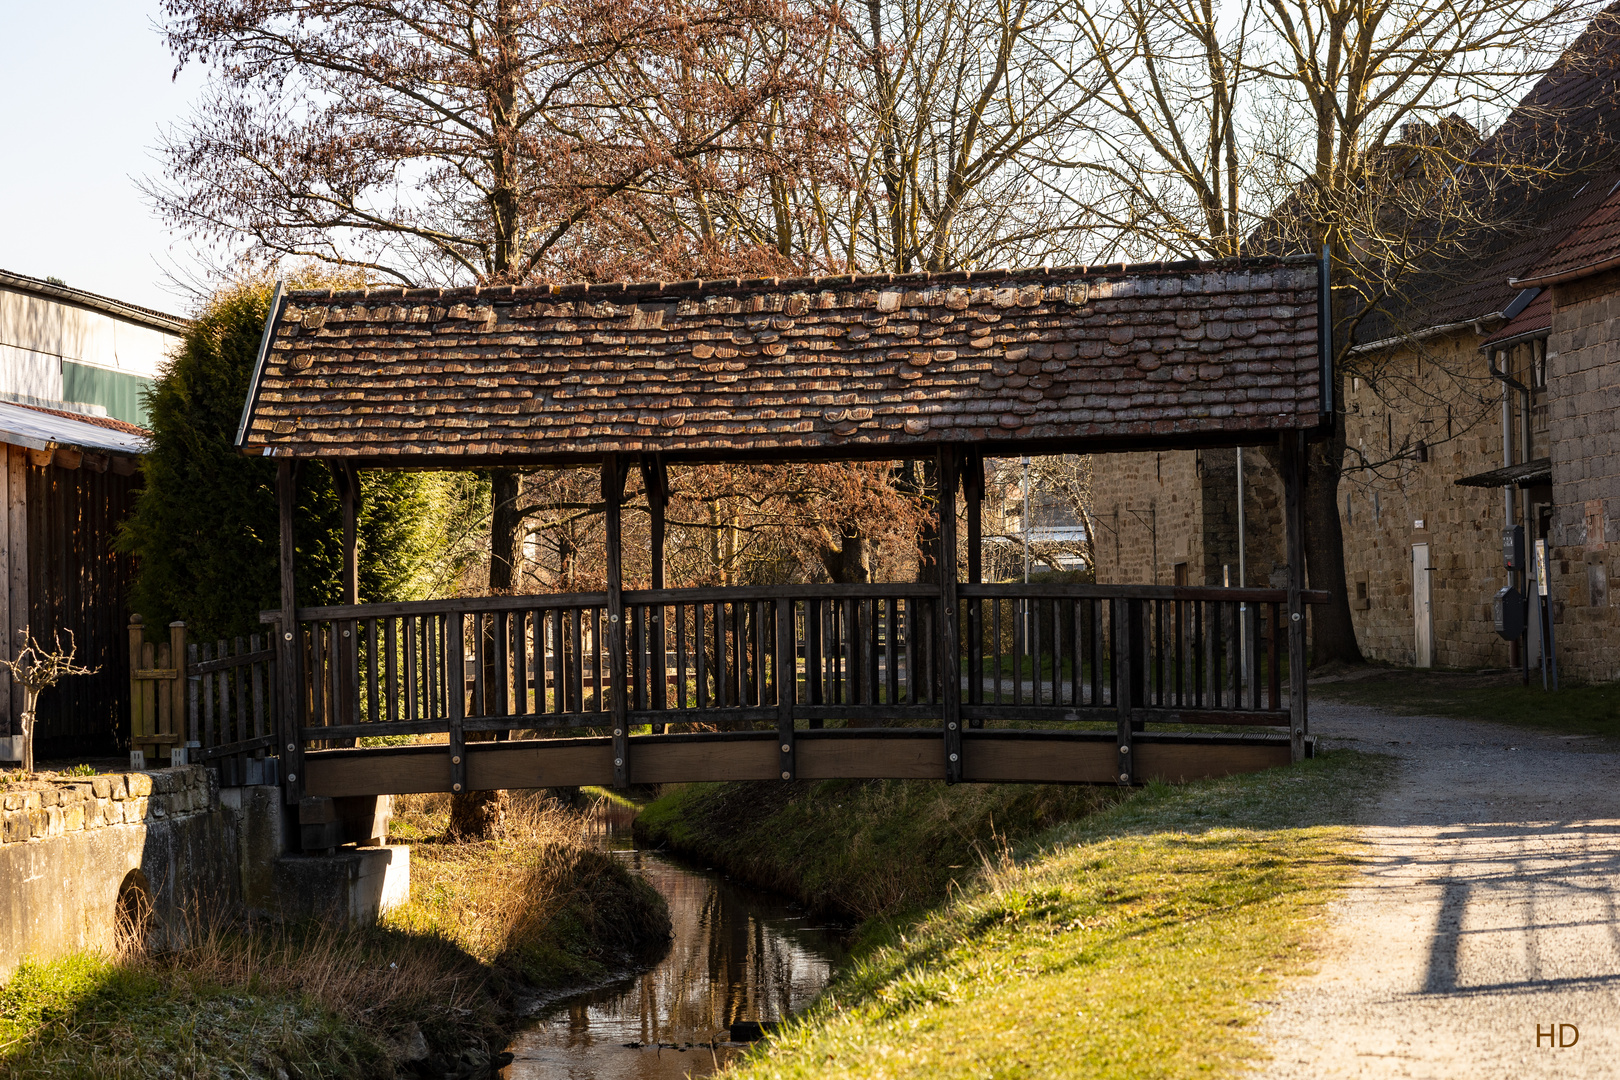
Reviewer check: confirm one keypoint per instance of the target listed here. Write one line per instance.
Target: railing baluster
(1273, 652)
(700, 647)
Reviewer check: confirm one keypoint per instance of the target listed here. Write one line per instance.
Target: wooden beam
(997, 757)
(950, 671)
(1175, 763)
(1293, 453)
(1124, 688)
(655, 481)
(289, 661)
(347, 482)
(613, 476)
(973, 493)
(1041, 761)
(64, 458)
(7, 452)
(17, 546)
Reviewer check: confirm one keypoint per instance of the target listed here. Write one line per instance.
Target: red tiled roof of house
(1564, 140)
(828, 366)
(1536, 316)
(1590, 247)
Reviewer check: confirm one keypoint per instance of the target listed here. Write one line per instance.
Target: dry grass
(535, 904)
(537, 900)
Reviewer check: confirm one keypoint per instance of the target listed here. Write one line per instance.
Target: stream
(738, 955)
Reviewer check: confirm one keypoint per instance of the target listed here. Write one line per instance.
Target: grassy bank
(1575, 709)
(1133, 942)
(429, 991)
(855, 848)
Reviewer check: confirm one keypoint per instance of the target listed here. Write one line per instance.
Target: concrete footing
(356, 884)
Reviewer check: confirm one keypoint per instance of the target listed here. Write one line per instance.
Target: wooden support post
(1125, 639)
(655, 480)
(140, 724)
(973, 493)
(950, 668)
(786, 678)
(177, 688)
(613, 475)
(454, 644)
(346, 654)
(1293, 453)
(289, 656)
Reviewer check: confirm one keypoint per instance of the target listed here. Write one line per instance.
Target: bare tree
(1348, 109)
(36, 670)
(962, 120)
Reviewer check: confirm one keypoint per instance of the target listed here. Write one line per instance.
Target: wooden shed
(68, 480)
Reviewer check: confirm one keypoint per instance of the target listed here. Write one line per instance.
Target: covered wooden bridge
(1105, 684)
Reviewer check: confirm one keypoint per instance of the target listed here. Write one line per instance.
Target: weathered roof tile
(794, 366)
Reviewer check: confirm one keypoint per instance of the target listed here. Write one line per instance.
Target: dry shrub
(537, 898)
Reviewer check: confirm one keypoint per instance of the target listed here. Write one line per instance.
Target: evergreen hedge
(205, 529)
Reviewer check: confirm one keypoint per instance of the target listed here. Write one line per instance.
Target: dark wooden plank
(698, 762)
(334, 773)
(949, 640)
(1293, 469)
(871, 758)
(785, 663)
(1124, 687)
(455, 684)
(1016, 590)
(1040, 761)
(1176, 763)
(289, 667)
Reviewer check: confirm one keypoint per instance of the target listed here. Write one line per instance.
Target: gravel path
(1487, 908)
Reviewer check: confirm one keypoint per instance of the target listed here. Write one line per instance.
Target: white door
(1422, 612)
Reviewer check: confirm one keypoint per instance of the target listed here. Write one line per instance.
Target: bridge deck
(846, 753)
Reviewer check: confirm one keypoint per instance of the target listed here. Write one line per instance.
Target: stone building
(1494, 402)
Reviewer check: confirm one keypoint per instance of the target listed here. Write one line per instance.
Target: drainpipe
(1510, 384)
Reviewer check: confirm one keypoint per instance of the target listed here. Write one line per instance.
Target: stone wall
(71, 849)
(1446, 399)
(1583, 381)
(1157, 510)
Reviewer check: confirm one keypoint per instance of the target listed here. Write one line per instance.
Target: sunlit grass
(1134, 943)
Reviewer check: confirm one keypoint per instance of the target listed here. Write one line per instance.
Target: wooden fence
(215, 701)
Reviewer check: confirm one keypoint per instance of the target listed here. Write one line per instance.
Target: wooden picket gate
(214, 701)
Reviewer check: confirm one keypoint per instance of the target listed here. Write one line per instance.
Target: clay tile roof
(1570, 120)
(1590, 247)
(1535, 318)
(824, 366)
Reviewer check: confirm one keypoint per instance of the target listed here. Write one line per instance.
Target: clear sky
(84, 89)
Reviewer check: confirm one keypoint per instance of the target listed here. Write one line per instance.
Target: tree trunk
(475, 815)
(504, 488)
(1333, 634)
(847, 564)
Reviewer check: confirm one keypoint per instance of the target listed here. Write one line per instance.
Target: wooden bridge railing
(720, 659)
(216, 701)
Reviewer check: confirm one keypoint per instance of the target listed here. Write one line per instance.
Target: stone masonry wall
(69, 851)
(1182, 507)
(1380, 508)
(1583, 381)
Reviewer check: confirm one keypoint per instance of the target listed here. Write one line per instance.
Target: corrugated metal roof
(38, 429)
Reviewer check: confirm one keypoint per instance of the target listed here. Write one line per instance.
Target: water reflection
(737, 955)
